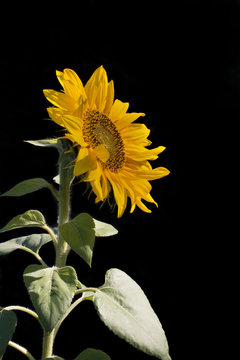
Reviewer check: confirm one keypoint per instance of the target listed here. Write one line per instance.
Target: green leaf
(92, 354)
(31, 218)
(44, 143)
(30, 242)
(104, 229)
(8, 321)
(125, 309)
(80, 235)
(51, 291)
(27, 187)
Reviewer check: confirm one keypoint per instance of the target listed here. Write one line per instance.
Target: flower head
(113, 151)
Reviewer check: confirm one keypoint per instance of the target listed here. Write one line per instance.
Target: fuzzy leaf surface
(92, 354)
(51, 291)
(125, 309)
(31, 218)
(30, 242)
(104, 229)
(27, 187)
(8, 322)
(79, 233)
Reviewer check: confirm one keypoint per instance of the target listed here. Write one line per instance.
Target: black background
(177, 61)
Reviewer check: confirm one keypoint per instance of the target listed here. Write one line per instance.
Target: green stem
(48, 340)
(67, 313)
(54, 192)
(22, 308)
(51, 233)
(77, 302)
(65, 177)
(21, 349)
(37, 256)
(62, 248)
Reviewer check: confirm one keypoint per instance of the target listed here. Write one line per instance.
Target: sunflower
(112, 150)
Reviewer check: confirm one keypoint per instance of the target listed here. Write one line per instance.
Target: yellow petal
(97, 189)
(120, 194)
(73, 122)
(153, 174)
(71, 83)
(102, 89)
(56, 115)
(74, 126)
(110, 98)
(93, 175)
(102, 153)
(141, 187)
(59, 99)
(127, 119)
(96, 89)
(60, 77)
(143, 207)
(84, 162)
(106, 187)
(137, 133)
(118, 110)
(139, 153)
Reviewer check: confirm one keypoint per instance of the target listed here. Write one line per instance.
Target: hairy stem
(61, 247)
(66, 177)
(48, 340)
(64, 213)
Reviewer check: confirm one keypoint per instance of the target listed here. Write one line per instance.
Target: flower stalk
(61, 246)
(66, 178)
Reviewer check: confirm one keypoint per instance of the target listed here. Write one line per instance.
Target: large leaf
(30, 242)
(104, 229)
(31, 218)
(51, 291)
(92, 354)
(125, 309)
(80, 235)
(8, 321)
(27, 187)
